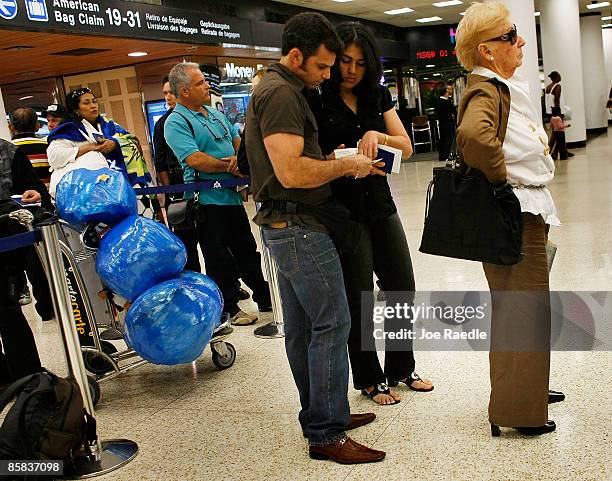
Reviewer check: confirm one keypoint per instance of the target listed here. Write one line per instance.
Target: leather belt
(278, 225)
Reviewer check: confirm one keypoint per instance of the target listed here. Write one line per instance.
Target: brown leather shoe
(347, 451)
(358, 420)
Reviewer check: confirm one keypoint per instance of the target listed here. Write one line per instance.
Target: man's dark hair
(556, 111)
(165, 79)
(24, 120)
(307, 32)
(367, 91)
(554, 76)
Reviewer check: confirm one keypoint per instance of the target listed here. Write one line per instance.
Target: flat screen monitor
(155, 110)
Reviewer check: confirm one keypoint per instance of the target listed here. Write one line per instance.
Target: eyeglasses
(511, 36)
(217, 137)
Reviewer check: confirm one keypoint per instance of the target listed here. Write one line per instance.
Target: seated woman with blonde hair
(500, 133)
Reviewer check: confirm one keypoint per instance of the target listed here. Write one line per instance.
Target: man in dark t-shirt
(288, 170)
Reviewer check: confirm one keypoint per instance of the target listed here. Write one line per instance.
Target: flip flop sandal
(408, 382)
(381, 388)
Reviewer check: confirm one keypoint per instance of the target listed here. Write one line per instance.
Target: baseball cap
(56, 110)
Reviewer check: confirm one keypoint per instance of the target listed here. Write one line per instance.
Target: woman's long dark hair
(367, 91)
(73, 99)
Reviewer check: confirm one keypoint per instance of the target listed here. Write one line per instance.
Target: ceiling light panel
(428, 19)
(399, 11)
(449, 3)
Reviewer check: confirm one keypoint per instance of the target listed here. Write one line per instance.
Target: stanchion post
(104, 456)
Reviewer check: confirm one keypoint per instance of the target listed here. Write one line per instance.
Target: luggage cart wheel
(97, 364)
(225, 357)
(94, 389)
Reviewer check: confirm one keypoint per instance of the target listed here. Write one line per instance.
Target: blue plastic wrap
(103, 195)
(137, 254)
(210, 288)
(172, 322)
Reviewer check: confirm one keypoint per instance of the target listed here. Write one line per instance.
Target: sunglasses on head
(78, 92)
(511, 36)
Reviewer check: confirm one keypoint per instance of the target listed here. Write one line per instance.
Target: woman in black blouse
(354, 108)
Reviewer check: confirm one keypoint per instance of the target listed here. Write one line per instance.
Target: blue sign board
(8, 9)
(37, 10)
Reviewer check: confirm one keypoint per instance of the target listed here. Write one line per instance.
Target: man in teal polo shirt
(202, 140)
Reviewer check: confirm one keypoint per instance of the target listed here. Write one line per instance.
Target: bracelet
(356, 176)
(386, 139)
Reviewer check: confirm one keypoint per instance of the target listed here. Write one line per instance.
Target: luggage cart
(94, 307)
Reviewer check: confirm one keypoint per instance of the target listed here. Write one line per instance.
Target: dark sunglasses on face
(511, 36)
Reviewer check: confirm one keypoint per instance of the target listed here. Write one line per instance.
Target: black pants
(383, 249)
(190, 239)
(40, 284)
(447, 134)
(227, 240)
(20, 353)
(559, 147)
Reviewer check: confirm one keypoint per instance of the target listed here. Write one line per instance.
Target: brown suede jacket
(482, 124)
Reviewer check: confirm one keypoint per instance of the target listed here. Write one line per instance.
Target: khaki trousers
(520, 333)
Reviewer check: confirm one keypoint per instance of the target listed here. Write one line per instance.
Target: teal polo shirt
(212, 135)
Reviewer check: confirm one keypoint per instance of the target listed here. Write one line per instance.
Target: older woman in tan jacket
(500, 133)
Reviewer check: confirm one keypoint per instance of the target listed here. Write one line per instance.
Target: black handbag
(182, 214)
(466, 217)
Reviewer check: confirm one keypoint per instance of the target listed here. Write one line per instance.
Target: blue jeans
(317, 325)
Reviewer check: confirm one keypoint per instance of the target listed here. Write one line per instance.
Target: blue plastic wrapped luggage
(91, 196)
(172, 322)
(137, 254)
(209, 286)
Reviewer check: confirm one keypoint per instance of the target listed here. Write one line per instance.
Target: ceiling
(40, 60)
(374, 10)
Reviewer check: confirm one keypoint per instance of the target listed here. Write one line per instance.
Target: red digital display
(430, 54)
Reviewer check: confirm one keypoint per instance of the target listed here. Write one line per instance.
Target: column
(594, 72)
(522, 14)
(561, 51)
(5, 133)
(607, 48)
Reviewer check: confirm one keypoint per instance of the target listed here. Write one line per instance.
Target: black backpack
(47, 421)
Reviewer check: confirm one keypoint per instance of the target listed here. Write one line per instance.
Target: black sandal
(408, 382)
(381, 388)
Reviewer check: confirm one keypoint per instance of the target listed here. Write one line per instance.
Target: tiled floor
(193, 422)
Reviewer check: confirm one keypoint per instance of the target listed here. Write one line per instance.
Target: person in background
(355, 108)
(23, 126)
(201, 139)
(558, 127)
(554, 97)
(17, 177)
(289, 170)
(243, 161)
(447, 112)
(170, 172)
(83, 139)
(500, 133)
(54, 114)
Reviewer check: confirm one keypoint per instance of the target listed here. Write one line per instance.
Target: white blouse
(529, 166)
(62, 155)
